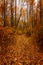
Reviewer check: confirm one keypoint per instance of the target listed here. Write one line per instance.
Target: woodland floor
(18, 49)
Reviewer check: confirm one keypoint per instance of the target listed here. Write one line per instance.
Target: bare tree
(15, 12)
(4, 14)
(12, 21)
(41, 10)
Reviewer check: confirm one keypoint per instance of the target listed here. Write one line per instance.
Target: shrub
(6, 37)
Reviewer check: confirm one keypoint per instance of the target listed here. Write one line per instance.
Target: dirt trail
(22, 52)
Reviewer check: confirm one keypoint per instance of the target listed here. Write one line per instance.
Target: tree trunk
(15, 13)
(12, 21)
(4, 14)
(41, 10)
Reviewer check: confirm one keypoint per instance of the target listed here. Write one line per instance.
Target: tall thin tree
(15, 12)
(12, 22)
(4, 11)
(41, 11)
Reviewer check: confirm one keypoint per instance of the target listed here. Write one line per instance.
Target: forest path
(25, 52)
(22, 51)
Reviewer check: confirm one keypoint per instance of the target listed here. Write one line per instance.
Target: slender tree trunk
(27, 11)
(12, 22)
(15, 13)
(27, 17)
(41, 11)
(4, 14)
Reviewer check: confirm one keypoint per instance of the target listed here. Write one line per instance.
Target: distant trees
(3, 12)
(12, 13)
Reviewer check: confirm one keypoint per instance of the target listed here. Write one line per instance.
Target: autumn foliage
(21, 32)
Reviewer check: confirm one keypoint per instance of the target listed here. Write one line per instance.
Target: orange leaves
(23, 11)
(1, 19)
(30, 19)
(13, 8)
(30, 1)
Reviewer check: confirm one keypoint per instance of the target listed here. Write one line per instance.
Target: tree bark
(4, 13)
(12, 21)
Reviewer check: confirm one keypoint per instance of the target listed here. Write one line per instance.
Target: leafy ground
(18, 49)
